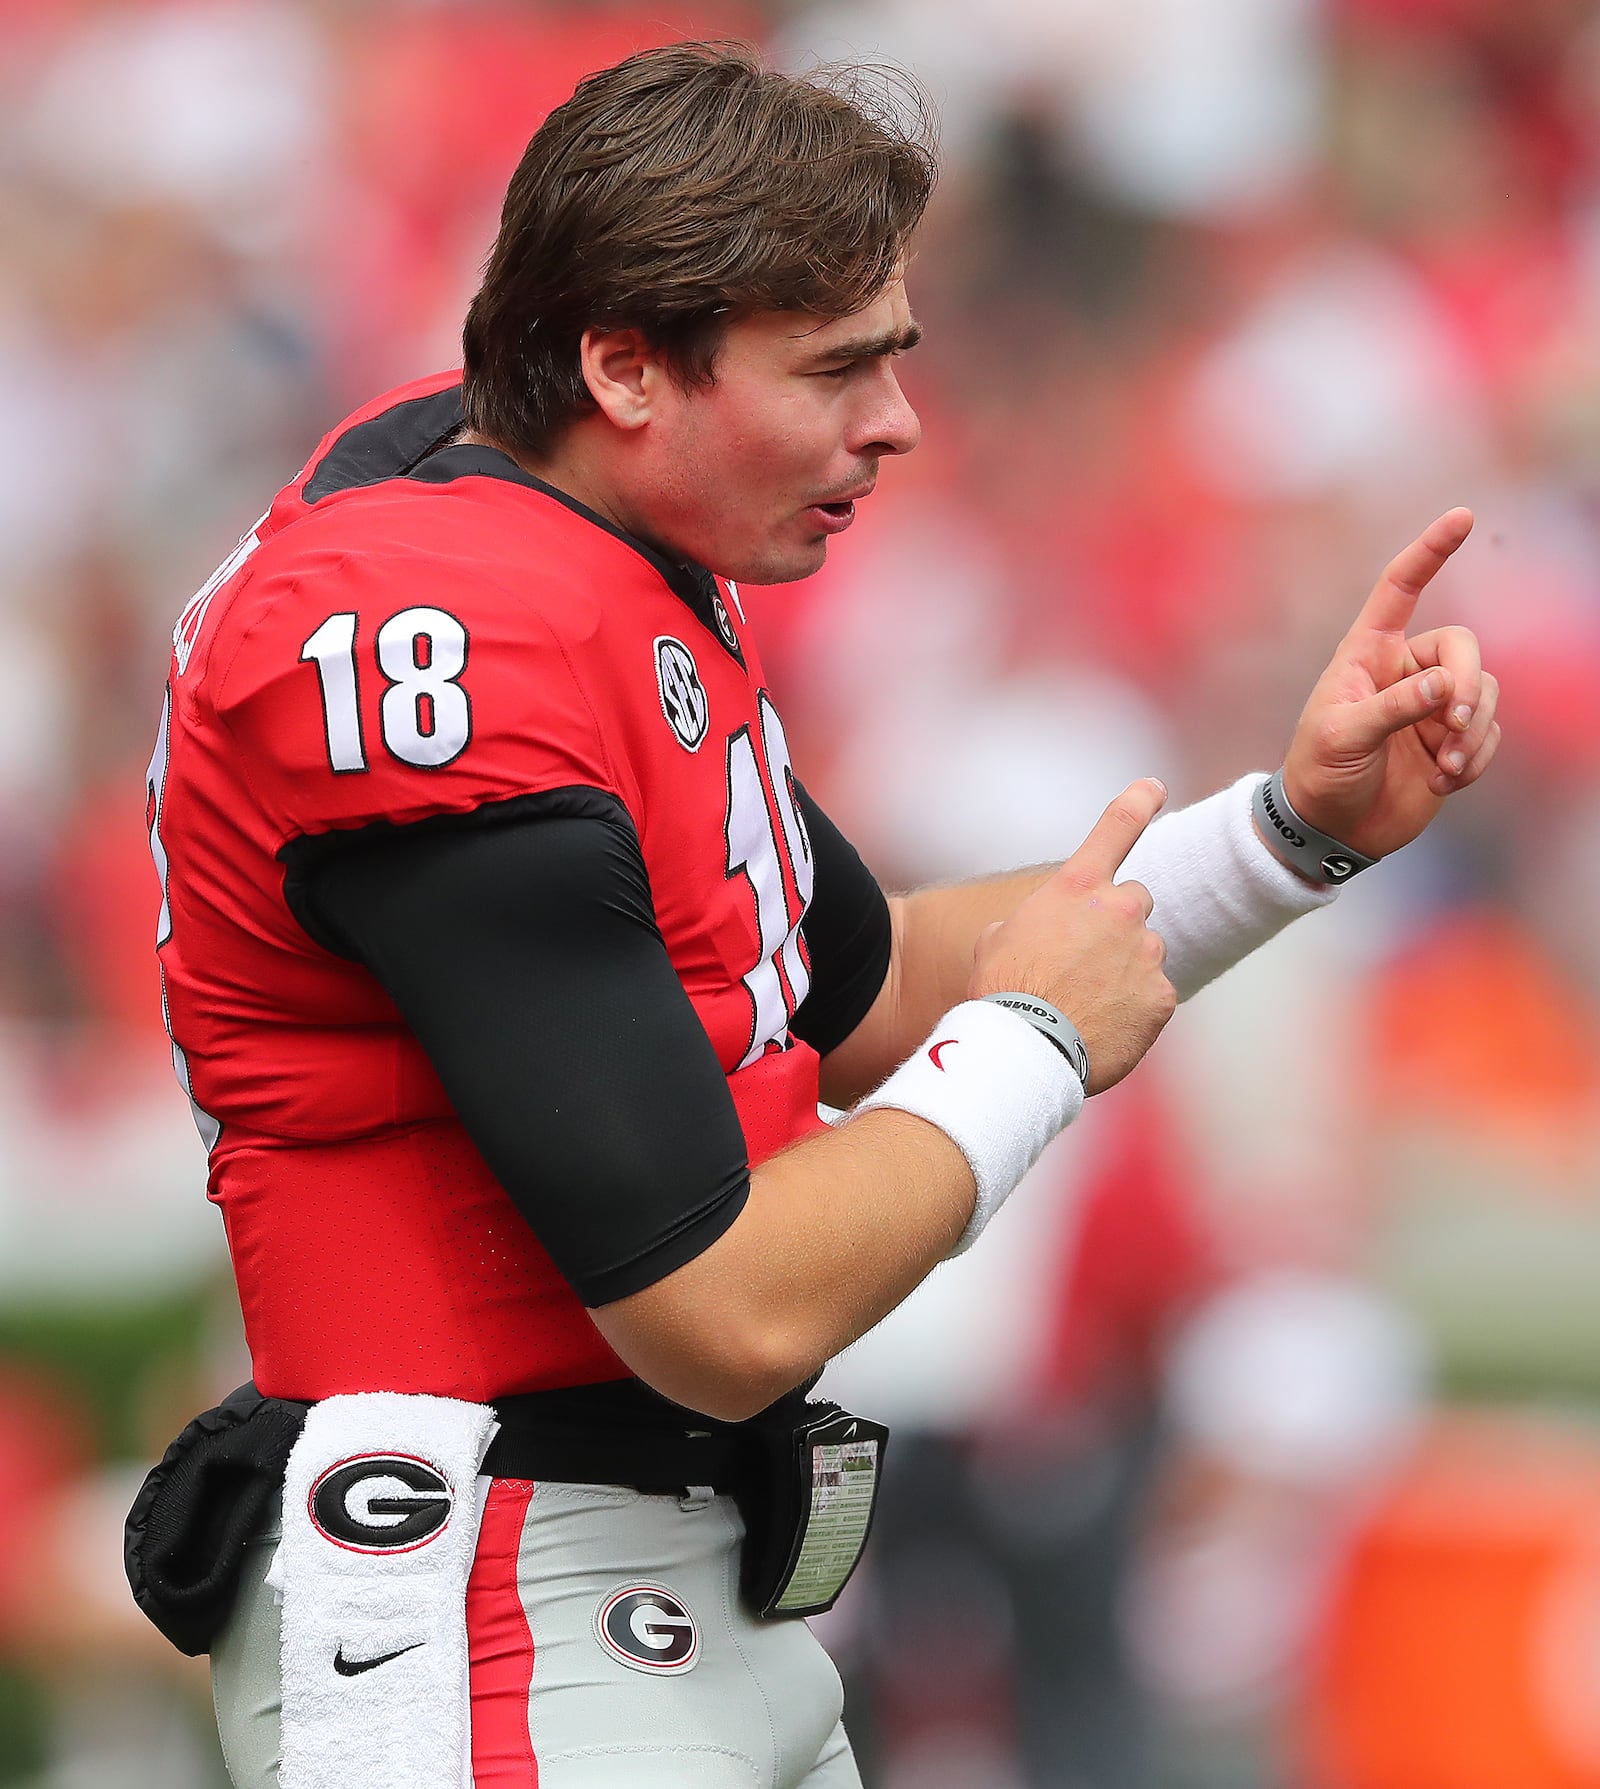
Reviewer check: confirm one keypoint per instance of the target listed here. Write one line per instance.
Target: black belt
(625, 1434)
(794, 1466)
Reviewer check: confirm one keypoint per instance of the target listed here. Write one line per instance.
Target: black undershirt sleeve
(847, 935)
(520, 945)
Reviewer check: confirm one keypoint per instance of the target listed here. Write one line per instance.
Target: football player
(506, 958)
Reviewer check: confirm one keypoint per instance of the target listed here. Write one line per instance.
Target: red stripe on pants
(500, 1645)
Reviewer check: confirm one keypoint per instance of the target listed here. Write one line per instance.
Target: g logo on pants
(648, 1629)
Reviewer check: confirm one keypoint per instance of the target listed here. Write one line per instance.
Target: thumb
(1366, 724)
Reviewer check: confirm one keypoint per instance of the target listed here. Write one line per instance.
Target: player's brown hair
(673, 192)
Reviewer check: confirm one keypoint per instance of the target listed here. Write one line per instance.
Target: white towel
(381, 1508)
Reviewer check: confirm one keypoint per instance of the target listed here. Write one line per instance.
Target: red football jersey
(407, 635)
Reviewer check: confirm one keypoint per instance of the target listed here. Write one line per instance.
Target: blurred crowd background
(1257, 1446)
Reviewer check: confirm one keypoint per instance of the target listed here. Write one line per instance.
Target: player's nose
(889, 425)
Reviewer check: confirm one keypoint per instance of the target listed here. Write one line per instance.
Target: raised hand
(1396, 723)
(1081, 941)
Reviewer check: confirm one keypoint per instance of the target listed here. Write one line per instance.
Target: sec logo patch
(683, 696)
(648, 1629)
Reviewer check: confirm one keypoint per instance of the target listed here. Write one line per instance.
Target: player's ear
(622, 372)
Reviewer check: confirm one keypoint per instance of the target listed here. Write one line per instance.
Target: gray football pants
(757, 1709)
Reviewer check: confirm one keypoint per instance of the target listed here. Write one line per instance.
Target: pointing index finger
(1389, 608)
(1117, 830)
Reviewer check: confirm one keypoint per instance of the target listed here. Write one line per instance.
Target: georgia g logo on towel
(380, 1503)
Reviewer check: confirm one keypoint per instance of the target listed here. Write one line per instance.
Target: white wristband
(1219, 892)
(996, 1088)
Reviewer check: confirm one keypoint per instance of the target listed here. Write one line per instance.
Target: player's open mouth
(834, 517)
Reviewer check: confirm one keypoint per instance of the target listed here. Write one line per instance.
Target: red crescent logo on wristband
(944, 1043)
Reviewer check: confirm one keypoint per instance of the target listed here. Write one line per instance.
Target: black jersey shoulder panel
(388, 445)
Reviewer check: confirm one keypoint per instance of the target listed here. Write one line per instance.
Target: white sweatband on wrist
(996, 1087)
(1219, 892)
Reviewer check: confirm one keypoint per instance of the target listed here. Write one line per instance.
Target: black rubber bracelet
(1298, 844)
(1049, 1021)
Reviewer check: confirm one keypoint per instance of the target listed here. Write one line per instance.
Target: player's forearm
(935, 932)
(1219, 893)
(836, 1232)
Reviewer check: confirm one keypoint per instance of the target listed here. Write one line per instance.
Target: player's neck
(567, 470)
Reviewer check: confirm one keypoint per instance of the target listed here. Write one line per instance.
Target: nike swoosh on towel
(354, 1667)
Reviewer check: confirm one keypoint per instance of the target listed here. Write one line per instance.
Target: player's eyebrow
(869, 347)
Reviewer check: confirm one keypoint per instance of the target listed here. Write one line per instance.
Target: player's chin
(788, 559)
(784, 564)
